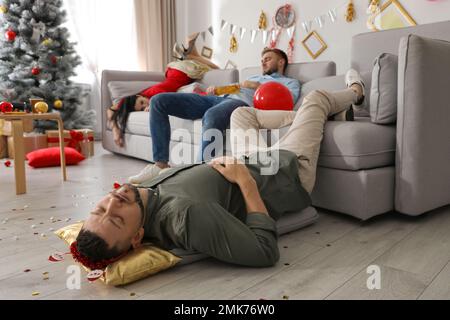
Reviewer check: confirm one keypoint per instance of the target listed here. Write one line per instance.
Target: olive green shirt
(195, 208)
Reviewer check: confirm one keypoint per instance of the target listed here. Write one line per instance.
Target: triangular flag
(305, 27)
(290, 31)
(265, 34)
(211, 30)
(203, 36)
(320, 21)
(333, 15)
(232, 29)
(273, 35)
(242, 32)
(253, 37)
(223, 24)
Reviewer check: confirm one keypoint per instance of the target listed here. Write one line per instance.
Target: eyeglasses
(137, 199)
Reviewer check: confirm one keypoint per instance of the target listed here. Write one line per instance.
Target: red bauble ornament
(117, 185)
(36, 71)
(273, 96)
(10, 35)
(6, 107)
(8, 164)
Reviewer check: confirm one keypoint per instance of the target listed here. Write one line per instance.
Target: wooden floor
(328, 260)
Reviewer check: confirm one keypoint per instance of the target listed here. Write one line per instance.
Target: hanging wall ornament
(211, 30)
(262, 24)
(350, 14)
(233, 44)
(3, 9)
(203, 36)
(285, 16)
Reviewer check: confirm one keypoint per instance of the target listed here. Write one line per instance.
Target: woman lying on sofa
(189, 68)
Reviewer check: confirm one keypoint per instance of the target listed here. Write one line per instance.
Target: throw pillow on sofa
(122, 89)
(383, 95)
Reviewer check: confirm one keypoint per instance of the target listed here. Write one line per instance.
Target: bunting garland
(307, 25)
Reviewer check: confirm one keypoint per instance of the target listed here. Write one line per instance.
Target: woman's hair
(120, 117)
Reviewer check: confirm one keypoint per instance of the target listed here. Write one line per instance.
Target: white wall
(198, 15)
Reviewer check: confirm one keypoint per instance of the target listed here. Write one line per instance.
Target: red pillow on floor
(50, 157)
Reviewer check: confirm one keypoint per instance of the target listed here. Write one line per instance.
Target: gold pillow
(136, 265)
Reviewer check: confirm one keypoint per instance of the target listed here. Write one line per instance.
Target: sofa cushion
(383, 95)
(121, 89)
(182, 130)
(357, 145)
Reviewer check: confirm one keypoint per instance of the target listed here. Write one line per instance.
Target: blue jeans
(215, 112)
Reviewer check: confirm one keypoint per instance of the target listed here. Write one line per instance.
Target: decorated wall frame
(314, 44)
(207, 52)
(392, 15)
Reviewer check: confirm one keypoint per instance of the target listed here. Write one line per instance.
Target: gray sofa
(364, 169)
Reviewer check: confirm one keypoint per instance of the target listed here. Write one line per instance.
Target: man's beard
(270, 72)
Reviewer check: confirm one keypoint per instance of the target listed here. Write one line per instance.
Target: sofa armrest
(423, 133)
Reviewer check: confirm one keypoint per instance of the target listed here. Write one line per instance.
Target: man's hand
(233, 170)
(250, 85)
(210, 91)
(236, 172)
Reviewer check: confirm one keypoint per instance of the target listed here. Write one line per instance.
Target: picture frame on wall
(314, 44)
(207, 52)
(392, 16)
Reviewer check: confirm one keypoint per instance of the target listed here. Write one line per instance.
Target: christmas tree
(37, 60)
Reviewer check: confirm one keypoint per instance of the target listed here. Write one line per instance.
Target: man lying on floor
(225, 209)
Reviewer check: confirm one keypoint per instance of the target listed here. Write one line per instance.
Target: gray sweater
(196, 208)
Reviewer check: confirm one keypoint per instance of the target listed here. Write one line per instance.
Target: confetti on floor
(285, 297)
(34, 294)
(132, 294)
(27, 270)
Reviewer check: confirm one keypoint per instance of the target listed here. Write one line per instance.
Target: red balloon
(273, 96)
(10, 35)
(36, 71)
(6, 107)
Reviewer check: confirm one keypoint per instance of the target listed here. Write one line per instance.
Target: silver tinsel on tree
(37, 60)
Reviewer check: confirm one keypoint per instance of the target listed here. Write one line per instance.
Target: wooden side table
(17, 133)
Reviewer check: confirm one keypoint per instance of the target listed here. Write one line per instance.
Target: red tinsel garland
(100, 265)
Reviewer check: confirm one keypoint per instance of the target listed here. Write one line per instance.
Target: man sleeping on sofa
(215, 111)
(226, 209)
